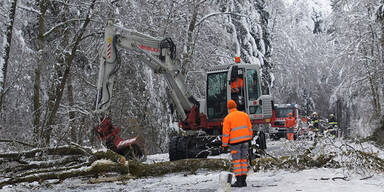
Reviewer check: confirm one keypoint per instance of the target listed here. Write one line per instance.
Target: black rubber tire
(172, 149)
(186, 147)
(197, 147)
(263, 140)
(181, 148)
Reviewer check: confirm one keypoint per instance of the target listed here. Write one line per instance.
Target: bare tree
(6, 48)
(60, 88)
(40, 63)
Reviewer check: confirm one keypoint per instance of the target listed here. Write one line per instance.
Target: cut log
(192, 165)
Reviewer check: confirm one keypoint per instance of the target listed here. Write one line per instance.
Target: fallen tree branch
(342, 178)
(77, 166)
(16, 141)
(365, 178)
(44, 164)
(94, 163)
(84, 149)
(61, 150)
(142, 170)
(96, 168)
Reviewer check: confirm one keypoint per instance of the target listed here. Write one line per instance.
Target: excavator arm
(160, 54)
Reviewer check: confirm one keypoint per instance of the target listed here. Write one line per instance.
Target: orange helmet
(231, 104)
(290, 114)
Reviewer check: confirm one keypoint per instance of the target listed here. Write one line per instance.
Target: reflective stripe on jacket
(237, 127)
(315, 120)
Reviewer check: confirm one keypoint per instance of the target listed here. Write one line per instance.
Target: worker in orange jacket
(237, 93)
(237, 85)
(290, 123)
(237, 132)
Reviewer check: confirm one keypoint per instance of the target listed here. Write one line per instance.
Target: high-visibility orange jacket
(237, 128)
(290, 122)
(237, 84)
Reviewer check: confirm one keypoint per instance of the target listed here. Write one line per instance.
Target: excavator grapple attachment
(130, 148)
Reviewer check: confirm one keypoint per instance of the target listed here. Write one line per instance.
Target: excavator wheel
(172, 147)
(177, 148)
(186, 147)
(195, 147)
(261, 141)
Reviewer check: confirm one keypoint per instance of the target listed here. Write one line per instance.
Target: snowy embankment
(359, 178)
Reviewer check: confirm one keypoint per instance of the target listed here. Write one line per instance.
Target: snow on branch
(30, 9)
(61, 24)
(215, 14)
(16, 141)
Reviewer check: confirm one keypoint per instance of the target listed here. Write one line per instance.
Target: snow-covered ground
(310, 180)
(307, 180)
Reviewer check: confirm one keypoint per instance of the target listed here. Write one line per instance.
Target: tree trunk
(373, 77)
(61, 86)
(37, 83)
(71, 102)
(6, 51)
(192, 165)
(187, 55)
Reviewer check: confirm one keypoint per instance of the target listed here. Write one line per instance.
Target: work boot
(243, 180)
(239, 182)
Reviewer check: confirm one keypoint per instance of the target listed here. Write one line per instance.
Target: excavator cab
(242, 84)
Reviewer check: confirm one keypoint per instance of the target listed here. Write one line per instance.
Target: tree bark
(187, 55)
(37, 82)
(6, 51)
(71, 114)
(60, 87)
(192, 165)
(96, 168)
(16, 141)
(62, 150)
(71, 102)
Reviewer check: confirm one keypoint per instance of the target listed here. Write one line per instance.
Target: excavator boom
(161, 54)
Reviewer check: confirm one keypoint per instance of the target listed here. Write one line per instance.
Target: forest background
(327, 58)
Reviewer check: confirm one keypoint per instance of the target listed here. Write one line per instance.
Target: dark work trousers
(239, 154)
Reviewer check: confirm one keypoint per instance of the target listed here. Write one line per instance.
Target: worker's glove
(225, 149)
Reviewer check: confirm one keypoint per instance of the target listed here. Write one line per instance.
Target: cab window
(253, 84)
(217, 95)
